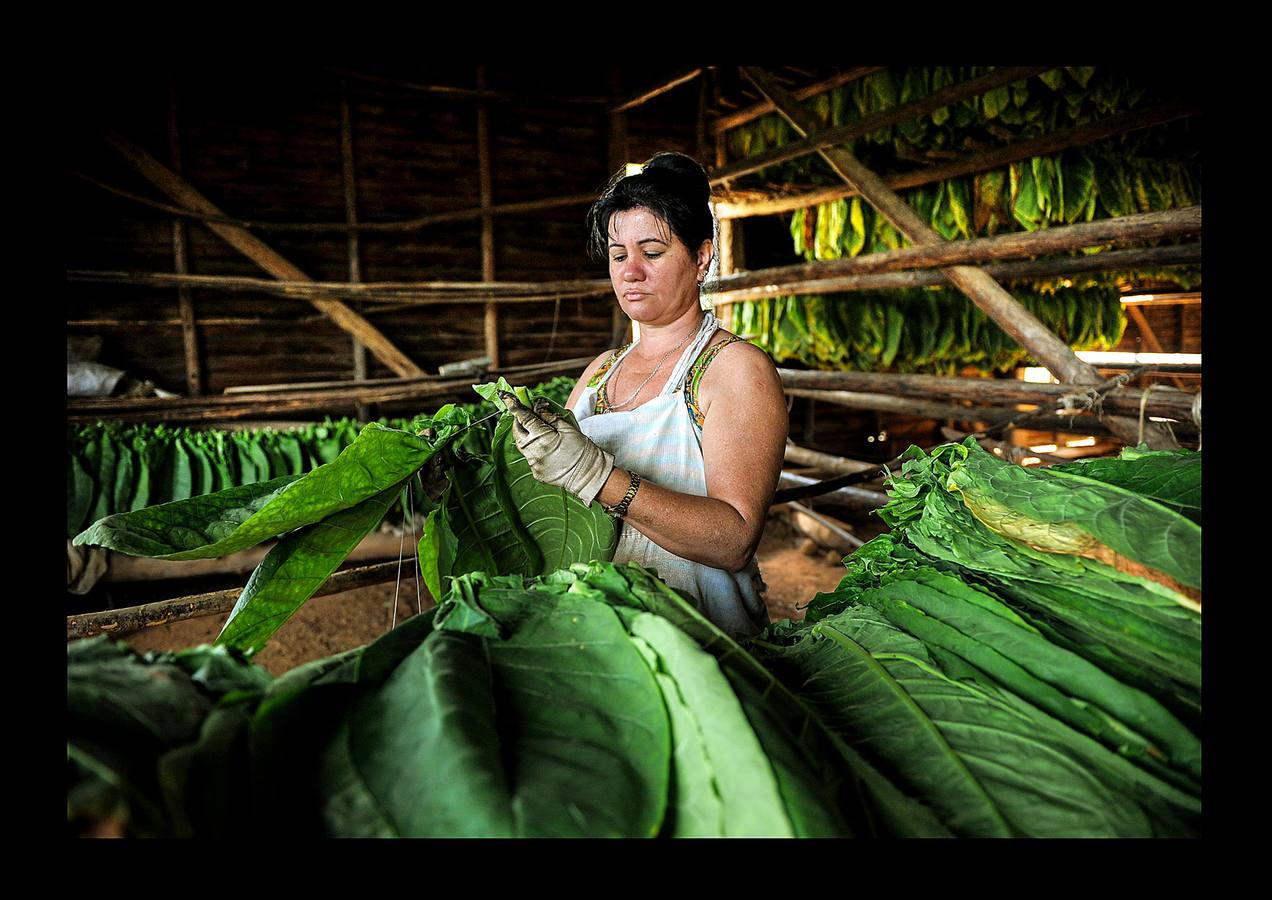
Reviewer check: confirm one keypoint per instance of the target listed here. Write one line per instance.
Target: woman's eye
(652, 255)
(617, 258)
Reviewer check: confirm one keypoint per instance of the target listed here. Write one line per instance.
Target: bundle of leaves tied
(1022, 652)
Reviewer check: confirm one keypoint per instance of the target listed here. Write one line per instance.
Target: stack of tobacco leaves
(1022, 653)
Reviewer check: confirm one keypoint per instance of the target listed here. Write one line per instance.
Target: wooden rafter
(979, 286)
(753, 112)
(260, 253)
(983, 161)
(831, 137)
(657, 91)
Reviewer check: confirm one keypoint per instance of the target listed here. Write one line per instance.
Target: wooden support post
(487, 222)
(978, 285)
(181, 260)
(260, 253)
(349, 179)
(724, 251)
(617, 151)
(701, 134)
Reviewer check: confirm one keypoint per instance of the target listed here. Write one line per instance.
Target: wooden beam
(421, 292)
(658, 91)
(456, 215)
(983, 161)
(256, 250)
(241, 406)
(1018, 245)
(1110, 261)
(1141, 322)
(449, 92)
(753, 112)
(825, 461)
(181, 260)
(349, 181)
(491, 318)
(979, 286)
(814, 141)
(1164, 402)
(148, 615)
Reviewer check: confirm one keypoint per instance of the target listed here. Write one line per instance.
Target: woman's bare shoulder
(739, 358)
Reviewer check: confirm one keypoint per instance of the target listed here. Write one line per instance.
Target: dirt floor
(794, 568)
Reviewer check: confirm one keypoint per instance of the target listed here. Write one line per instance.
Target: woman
(681, 434)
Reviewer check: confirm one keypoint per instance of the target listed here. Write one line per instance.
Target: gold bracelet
(619, 510)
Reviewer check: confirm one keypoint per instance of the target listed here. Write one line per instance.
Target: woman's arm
(743, 444)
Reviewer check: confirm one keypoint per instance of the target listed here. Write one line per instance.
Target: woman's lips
(633, 295)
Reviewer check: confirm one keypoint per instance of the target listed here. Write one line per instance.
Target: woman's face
(654, 275)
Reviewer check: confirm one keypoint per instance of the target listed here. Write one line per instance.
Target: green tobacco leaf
(564, 529)
(180, 484)
(739, 773)
(105, 495)
(297, 566)
(169, 528)
(79, 494)
(797, 742)
(1045, 512)
(557, 730)
(124, 481)
(227, 521)
(1153, 732)
(118, 700)
(861, 700)
(1171, 478)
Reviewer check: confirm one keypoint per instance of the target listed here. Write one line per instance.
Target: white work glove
(558, 453)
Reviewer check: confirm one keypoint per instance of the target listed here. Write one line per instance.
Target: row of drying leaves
(487, 514)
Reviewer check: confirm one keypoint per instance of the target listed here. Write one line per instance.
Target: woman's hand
(558, 453)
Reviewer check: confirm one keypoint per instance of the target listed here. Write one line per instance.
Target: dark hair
(672, 186)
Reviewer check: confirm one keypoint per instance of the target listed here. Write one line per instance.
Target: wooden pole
(825, 461)
(148, 615)
(181, 261)
(813, 278)
(976, 162)
(240, 406)
(395, 292)
(1017, 245)
(646, 96)
(814, 141)
(978, 285)
(1162, 401)
(349, 179)
(751, 113)
(491, 321)
(616, 159)
(1110, 261)
(256, 250)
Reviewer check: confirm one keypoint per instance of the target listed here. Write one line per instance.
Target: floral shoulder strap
(694, 378)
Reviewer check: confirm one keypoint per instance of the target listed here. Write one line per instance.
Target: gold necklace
(663, 359)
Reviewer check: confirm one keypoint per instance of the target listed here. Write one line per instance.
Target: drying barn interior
(262, 263)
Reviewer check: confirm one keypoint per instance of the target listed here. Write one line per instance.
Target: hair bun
(682, 166)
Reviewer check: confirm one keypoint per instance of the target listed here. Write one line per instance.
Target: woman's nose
(633, 271)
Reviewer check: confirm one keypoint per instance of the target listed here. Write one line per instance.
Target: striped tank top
(662, 440)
